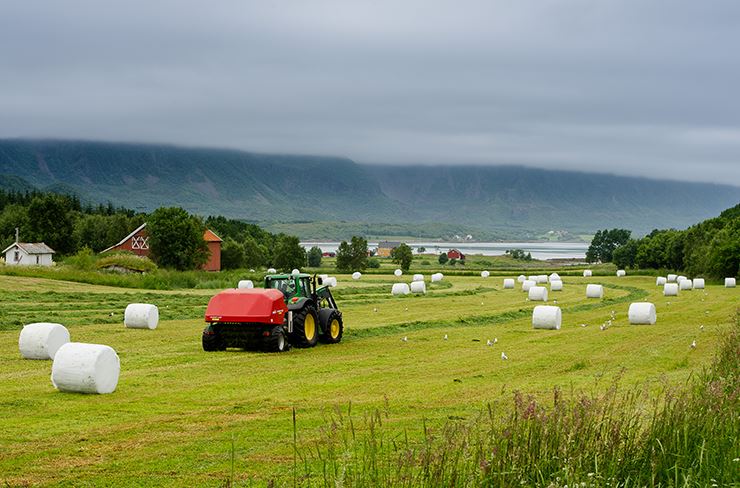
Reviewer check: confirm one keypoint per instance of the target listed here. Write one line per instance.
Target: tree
(255, 254)
(624, 255)
(232, 254)
(176, 239)
(402, 256)
(91, 231)
(604, 243)
(443, 258)
(314, 257)
(352, 256)
(421, 250)
(289, 253)
(12, 217)
(51, 220)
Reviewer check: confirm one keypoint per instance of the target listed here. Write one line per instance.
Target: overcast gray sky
(641, 87)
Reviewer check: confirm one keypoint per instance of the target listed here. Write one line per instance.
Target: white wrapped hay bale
(553, 277)
(271, 271)
(85, 368)
(42, 340)
(729, 282)
(323, 276)
(398, 272)
(485, 274)
(621, 272)
(245, 284)
(660, 281)
(532, 278)
(594, 291)
(546, 317)
(642, 313)
(418, 277)
(356, 275)
(400, 289)
(330, 281)
(527, 285)
(521, 278)
(437, 277)
(671, 278)
(556, 285)
(680, 278)
(685, 284)
(698, 283)
(295, 271)
(141, 316)
(587, 273)
(418, 287)
(670, 290)
(541, 279)
(508, 283)
(538, 294)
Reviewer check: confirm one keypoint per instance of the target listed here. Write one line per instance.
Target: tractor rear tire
(305, 328)
(331, 325)
(213, 342)
(276, 341)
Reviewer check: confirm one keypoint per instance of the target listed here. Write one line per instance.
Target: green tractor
(301, 314)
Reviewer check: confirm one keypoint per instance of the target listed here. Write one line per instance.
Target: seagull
(584, 325)
(407, 309)
(495, 340)
(375, 309)
(405, 339)
(602, 327)
(489, 342)
(706, 312)
(481, 303)
(504, 356)
(555, 301)
(445, 337)
(693, 344)
(701, 328)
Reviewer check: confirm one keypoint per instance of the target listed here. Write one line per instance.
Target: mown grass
(177, 410)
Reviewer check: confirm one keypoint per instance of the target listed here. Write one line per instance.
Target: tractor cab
(292, 286)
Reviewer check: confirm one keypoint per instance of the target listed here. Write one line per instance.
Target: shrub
(128, 261)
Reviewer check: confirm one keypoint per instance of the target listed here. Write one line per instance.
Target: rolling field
(181, 416)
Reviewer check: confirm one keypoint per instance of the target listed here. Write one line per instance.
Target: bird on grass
(407, 309)
(445, 337)
(495, 340)
(701, 328)
(504, 356)
(111, 314)
(489, 342)
(405, 339)
(693, 344)
(375, 309)
(584, 325)
(602, 327)
(555, 301)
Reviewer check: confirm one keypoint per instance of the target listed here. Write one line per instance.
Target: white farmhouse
(28, 253)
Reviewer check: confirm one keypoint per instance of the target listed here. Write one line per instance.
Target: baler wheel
(332, 325)
(305, 328)
(213, 342)
(276, 341)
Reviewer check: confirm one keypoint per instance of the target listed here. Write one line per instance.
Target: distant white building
(29, 253)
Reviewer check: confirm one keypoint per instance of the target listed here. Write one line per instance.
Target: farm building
(455, 254)
(29, 254)
(385, 248)
(137, 242)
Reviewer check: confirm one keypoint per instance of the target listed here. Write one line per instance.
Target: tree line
(710, 248)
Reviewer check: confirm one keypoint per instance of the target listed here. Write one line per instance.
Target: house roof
(31, 248)
(132, 234)
(210, 236)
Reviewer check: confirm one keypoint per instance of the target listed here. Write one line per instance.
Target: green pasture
(184, 417)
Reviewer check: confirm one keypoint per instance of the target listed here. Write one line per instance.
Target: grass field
(181, 416)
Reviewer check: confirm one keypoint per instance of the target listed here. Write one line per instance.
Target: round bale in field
(541, 279)
(729, 282)
(538, 294)
(698, 283)
(556, 285)
(418, 287)
(356, 275)
(670, 290)
(400, 289)
(527, 284)
(594, 291)
(671, 278)
(685, 284)
(621, 272)
(546, 317)
(660, 281)
(330, 281)
(42, 340)
(521, 278)
(141, 316)
(295, 271)
(508, 283)
(485, 274)
(437, 277)
(642, 313)
(85, 368)
(587, 273)
(245, 284)
(398, 272)
(554, 277)
(271, 271)
(418, 277)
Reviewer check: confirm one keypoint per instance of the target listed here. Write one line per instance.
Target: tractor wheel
(331, 325)
(305, 328)
(213, 342)
(276, 341)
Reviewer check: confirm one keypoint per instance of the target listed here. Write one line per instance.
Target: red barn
(137, 242)
(455, 254)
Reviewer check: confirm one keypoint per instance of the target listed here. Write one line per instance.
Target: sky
(634, 87)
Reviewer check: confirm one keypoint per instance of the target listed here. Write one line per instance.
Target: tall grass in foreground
(684, 435)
